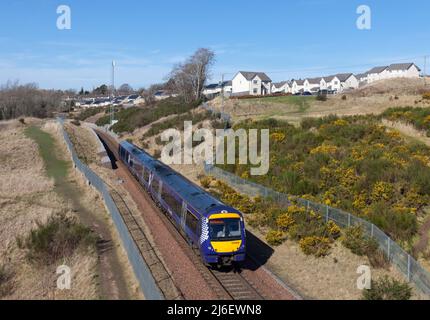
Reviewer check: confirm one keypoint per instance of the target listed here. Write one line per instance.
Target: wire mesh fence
(398, 257)
(141, 270)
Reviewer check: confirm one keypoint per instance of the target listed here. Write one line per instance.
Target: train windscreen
(224, 229)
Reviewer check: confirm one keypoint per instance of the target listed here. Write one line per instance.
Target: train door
(183, 214)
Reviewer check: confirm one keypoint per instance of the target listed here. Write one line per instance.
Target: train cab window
(224, 229)
(192, 222)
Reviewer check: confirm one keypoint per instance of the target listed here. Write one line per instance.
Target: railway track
(227, 284)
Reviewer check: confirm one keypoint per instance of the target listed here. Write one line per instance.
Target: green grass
(298, 101)
(55, 167)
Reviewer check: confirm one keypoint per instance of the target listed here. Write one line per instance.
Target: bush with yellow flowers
(317, 246)
(352, 163)
(278, 136)
(275, 237)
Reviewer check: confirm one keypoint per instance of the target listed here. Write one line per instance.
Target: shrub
(321, 97)
(317, 246)
(426, 95)
(387, 288)
(76, 122)
(275, 237)
(56, 239)
(354, 240)
(157, 154)
(344, 97)
(333, 229)
(22, 120)
(6, 285)
(284, 221)
(205, 181)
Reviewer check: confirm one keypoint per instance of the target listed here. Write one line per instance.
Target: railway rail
(227, 284)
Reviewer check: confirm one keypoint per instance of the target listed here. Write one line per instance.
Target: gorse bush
(58, 238)
(387, 288)
(352, 163)
(89, 112)
(275, 237)
(353, 238)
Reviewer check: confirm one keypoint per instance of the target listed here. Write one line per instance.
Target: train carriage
(217, 230)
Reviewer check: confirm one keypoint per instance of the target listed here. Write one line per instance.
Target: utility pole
(425, 70)
(112, 109)
(222, 93)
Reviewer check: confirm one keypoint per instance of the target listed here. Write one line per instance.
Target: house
(163, 94)
(312, 85)
(281, 87)
(297, 86)
(395, 70)
(134, 99)
(215, 89)
(251, 83)
(339, 82)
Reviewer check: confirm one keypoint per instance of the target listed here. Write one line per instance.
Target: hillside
(370, 99)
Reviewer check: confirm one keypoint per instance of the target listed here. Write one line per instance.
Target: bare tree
(188, 79)
(28, 100)
(125, 89)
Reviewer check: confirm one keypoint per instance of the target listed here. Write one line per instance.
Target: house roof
(212, 86)
(343, 76)
(314, 80)
(402, 66)
(281, 84)
(300, 82)
(361, 75)
(377, 70)
(249, 75)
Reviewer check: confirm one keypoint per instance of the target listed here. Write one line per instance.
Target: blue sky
(287, 39)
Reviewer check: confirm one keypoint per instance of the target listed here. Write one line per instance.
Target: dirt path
(408, 130)
(112, 284)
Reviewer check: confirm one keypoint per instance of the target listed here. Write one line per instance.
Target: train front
(223, 237)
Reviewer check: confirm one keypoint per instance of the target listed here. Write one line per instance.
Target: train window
(172, 202)
(191, 221)
(145, 174)
(155, 185)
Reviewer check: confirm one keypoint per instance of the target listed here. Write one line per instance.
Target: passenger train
(215, 229)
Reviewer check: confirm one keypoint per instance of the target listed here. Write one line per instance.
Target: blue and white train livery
(217, 230)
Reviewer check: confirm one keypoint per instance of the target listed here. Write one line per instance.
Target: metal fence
(398, 257)
(141, 270)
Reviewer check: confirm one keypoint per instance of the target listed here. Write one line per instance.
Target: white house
(283, 87)
(297, 86)
(312, 85)
(251, 83)
(214, 89)
(395, 70)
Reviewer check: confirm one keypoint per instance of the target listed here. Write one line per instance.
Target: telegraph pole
(112, 109)
(222, 93)
(425, 70)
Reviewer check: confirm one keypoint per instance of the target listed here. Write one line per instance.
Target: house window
(336, 83)
(255, 81)
(255, 91)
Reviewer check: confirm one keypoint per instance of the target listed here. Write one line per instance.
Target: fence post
(326, 213)
(307, 204)
(371, 230)
(349, 220)
(409, 268)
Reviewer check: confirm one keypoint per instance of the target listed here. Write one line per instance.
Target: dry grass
(370, 99)
(333, 277)
(28, 196)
